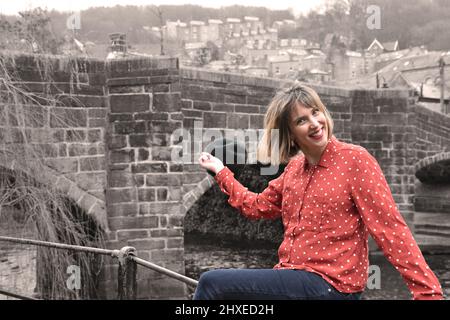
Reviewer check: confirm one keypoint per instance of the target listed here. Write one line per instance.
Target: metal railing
(15, 295)
(127, 258)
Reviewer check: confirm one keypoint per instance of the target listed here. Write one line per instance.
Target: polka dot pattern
(328, 211)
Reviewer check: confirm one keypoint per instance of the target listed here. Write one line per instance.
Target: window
(437, 80)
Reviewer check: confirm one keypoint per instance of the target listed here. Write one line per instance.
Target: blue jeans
(266, 284)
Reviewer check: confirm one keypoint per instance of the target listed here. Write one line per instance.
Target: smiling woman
(330, 198)
(302, 121)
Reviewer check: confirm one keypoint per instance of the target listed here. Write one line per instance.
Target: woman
(330, 198)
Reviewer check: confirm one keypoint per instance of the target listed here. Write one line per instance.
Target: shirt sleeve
(266, 205)
(375, 203)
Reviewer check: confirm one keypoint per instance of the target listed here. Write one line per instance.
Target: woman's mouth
(317, 135)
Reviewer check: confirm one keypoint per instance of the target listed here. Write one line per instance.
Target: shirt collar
(328, 154)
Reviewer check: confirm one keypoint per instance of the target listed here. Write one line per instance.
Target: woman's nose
(314, 123)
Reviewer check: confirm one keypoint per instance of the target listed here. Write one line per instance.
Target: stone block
(96, 123)
(121, 156)
(97, 113)
(129, 209)
(237, 121)
(139, 140)
(186, 104)
(162, 194)
(160, 139)
(130, 103)
(169, 179)
(162, 153)
(68, 165)
(256, 121)
(167, 102)
(92, 163)
(164, 126)
(202, 105)
(149, 167)
(146, 194)
(91, 180)
(151, 116)
(175, 167)
(143, 154)
(176, 220)
(140, 222)
(121, 195)
(147, 244)
(119, 179)
(175, 232)
(242, 108)
(214, 119)
(130, 127)
(75, 135)
(120, 117)
(165, 208)
(132, 234)
(68, 118)
(94, 135)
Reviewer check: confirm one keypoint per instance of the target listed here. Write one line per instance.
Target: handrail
(15, 295)
(126, 253)
(114, 253)
(165, 271)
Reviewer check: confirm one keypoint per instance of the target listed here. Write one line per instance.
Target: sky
(14, 6)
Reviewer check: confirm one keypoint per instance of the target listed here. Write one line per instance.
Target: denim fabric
(266, 284)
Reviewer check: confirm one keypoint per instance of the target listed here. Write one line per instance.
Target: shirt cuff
(224, 172)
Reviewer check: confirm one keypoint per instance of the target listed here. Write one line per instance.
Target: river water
(203, 254)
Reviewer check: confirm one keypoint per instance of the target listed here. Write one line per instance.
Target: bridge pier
(143, 192)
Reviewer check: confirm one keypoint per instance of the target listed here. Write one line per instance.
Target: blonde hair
(278, 117)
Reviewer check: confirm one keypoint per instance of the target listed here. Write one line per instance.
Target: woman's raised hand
(209, 162)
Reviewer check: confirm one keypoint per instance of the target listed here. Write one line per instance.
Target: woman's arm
(266, 204)
(376, 205)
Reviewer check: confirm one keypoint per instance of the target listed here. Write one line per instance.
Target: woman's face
(308, 128)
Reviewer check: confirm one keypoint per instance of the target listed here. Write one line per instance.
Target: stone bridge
(109, 145)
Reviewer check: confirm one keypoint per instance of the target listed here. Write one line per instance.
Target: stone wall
(432, 191)
(433, 132)
(106, 144)
(143, 190)
(383, 122)
(67, 131)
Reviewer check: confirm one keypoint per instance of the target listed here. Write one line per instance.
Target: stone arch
(431, 201)
(434, 169)
(90, 204)
(192, 196)
(428, 80)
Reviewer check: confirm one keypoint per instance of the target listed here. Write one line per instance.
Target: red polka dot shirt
(328, 211)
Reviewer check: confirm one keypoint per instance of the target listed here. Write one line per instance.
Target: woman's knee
(210, 278)
(208, 284)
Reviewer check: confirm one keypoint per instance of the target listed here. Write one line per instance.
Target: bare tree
(159, 13)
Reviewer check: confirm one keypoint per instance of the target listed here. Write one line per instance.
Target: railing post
(127, 284)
